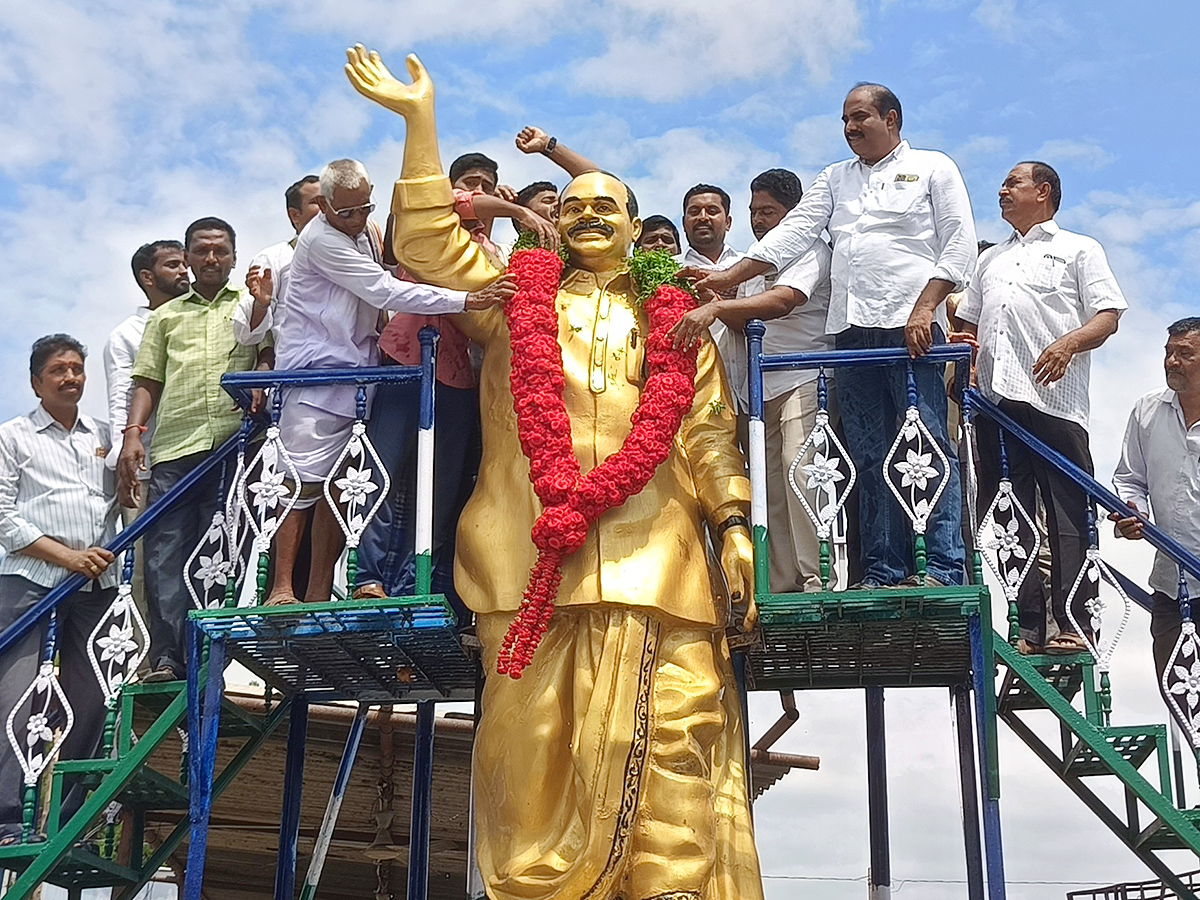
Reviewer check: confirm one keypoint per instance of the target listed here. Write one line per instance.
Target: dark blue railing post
(293, 785)
(423, 536)
(755, 330)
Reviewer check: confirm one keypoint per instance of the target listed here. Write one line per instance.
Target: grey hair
(346, 173)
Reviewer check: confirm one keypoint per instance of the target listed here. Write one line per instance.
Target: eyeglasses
(366, 209)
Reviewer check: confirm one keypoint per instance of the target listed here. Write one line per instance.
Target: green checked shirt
(187, 347)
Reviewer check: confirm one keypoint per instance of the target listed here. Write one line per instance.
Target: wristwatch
(550, 145)
(732, 522)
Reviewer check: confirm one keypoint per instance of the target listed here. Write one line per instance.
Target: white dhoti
(314, 439)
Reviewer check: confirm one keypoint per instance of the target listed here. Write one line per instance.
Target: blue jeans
(386, 554)
(873, 400)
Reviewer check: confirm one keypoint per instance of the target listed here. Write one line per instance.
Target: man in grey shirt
(57, 511)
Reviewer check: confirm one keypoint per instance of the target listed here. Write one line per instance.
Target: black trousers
(77, 616)
(168, 544)
(1066, 510)
(1165, 624)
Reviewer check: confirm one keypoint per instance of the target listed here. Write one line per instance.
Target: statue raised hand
(414, 102)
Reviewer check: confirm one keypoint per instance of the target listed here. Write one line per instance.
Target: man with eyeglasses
(336, 290)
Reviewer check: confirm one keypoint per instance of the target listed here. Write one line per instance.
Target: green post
(352, 571)
(1014, 623)
(762, 562)
(28, 813)
(1105, 699)
(920, 557)
(230, 600)
(424, 573)
(260, 589)
(824, 563)
(110, 729)
(976, 567)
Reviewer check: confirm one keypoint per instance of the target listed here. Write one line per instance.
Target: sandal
(1067, 643)
(1028, 648)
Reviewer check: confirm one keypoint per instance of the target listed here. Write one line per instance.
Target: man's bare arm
(132, 460)
(533, 140)
(90, 562)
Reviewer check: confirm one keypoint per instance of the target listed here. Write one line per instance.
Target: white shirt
(277, 258)
(721, 335)
(54, 483)
(895, 225)
(800, 331)
(1027, 293)
(119, 354)
(335, 291)
(1160, 468)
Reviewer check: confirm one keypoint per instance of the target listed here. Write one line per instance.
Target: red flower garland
(571, 502)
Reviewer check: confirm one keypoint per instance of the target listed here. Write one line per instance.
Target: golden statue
(614, 768)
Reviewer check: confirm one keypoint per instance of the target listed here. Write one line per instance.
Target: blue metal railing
(125, 539)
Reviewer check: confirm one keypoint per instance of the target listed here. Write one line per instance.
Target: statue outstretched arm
(428, 239)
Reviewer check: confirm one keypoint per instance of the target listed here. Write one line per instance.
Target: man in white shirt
(706, 222)
(335, 293)
(1038, 304)
(161, 272)
(251, 326)
(57, 511)
(795, 304)
(903, 239)
(1160, 469)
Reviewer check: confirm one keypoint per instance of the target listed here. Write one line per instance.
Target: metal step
(79, 868)
(147, 789)
(154, 698)
(1063, 673)
(1135, 744)
(1158, 835)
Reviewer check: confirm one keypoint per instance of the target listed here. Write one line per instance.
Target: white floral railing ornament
(1181, 676)
(1002, 531)
(822, 476)
(916, 472)
(42, 695)
(120, 640)
(1095, 571)
(355, 487)
(216, 565)
(268, 499)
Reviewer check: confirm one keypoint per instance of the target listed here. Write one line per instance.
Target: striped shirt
(54, 483)
(188, 345)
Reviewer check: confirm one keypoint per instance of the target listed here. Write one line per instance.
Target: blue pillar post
(202, 750)
(982, 685)
(293, 783)
(422, 803)
(969, 786)
(880, 882)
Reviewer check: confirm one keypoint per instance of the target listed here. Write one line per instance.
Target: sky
(123, 120)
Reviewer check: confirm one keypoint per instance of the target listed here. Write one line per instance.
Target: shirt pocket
(1047, 273)
(899, 197)
(635, 358)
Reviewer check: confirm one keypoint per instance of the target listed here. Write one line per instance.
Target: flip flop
(1066, 643)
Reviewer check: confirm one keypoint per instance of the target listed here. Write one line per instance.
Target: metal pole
(982, 686)
(422, 803)
(293, 783)
(880, 882)
(202, 750)
(423, 537)
(336, 795)
(755, 330)
(961, 696)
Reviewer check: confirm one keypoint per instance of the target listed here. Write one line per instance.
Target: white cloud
(1087, 155)
(680, 48)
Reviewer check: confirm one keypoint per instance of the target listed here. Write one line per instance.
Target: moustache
(591, 225)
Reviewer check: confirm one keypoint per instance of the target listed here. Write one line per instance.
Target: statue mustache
(591, 225)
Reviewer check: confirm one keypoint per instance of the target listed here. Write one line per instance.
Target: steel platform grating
(894, 638)
(395, 649)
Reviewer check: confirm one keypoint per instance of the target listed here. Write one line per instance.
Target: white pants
(313, 438)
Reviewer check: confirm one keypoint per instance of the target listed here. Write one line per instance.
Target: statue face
(594, 221)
